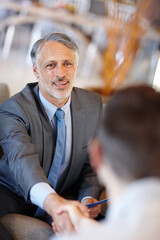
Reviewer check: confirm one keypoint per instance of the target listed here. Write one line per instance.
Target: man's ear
(96, 154)
(36, 73)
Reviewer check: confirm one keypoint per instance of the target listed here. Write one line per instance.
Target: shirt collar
(51, 108)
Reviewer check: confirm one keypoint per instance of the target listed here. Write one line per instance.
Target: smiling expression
(56, 72)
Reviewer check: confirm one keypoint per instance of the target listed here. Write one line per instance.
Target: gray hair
(53, 37)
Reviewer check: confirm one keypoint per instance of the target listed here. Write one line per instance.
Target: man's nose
(60, 71)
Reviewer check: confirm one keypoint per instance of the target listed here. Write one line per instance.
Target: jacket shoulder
(20, 99)
(86, 96)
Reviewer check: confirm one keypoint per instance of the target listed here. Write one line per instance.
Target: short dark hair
(130, 132)
(53, 37)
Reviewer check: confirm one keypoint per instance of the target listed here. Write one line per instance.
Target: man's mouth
(61, 84)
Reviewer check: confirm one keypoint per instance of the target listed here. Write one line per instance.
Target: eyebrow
(53, 61)
(49, 62)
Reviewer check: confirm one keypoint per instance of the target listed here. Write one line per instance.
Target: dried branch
(123, 44)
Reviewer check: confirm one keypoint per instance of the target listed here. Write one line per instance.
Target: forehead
(55, 51)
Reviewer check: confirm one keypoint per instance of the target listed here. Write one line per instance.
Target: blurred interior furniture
(4, 92)
(21, 26)
(23, 227)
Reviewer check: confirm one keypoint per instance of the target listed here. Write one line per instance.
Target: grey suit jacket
(27, 141)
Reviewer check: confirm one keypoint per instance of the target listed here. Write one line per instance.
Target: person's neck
(115, 189)
(113, 184)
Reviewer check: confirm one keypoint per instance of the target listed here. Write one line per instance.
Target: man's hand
(80, 221)
(94, 211)
(62, 222)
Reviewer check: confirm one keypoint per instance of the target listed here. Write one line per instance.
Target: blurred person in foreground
(126, 157)
(29, 133)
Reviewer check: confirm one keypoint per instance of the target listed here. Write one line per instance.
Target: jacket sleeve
(22, 166)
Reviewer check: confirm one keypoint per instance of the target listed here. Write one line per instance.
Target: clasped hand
(68, 215)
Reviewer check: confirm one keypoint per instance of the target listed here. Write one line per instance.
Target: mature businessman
(29, 133)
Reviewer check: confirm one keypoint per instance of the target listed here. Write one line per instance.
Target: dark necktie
(60, 148)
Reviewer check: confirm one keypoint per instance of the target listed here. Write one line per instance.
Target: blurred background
(91, 23)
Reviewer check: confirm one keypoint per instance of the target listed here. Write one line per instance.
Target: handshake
(69, 216)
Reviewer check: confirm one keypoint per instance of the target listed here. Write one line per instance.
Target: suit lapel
(48, 140)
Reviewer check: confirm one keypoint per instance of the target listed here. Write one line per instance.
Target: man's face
(56, 71)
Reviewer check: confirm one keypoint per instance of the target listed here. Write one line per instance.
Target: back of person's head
(130, 133)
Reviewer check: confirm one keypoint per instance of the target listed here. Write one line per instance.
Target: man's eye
(68, 64)
(51, 65)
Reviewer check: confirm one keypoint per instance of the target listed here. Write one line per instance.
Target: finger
(94, 212)
(68, 226)
(67, 209)
(83, 209)
(96, 209)
(93, 215)
(54, 228)
(64, 224)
